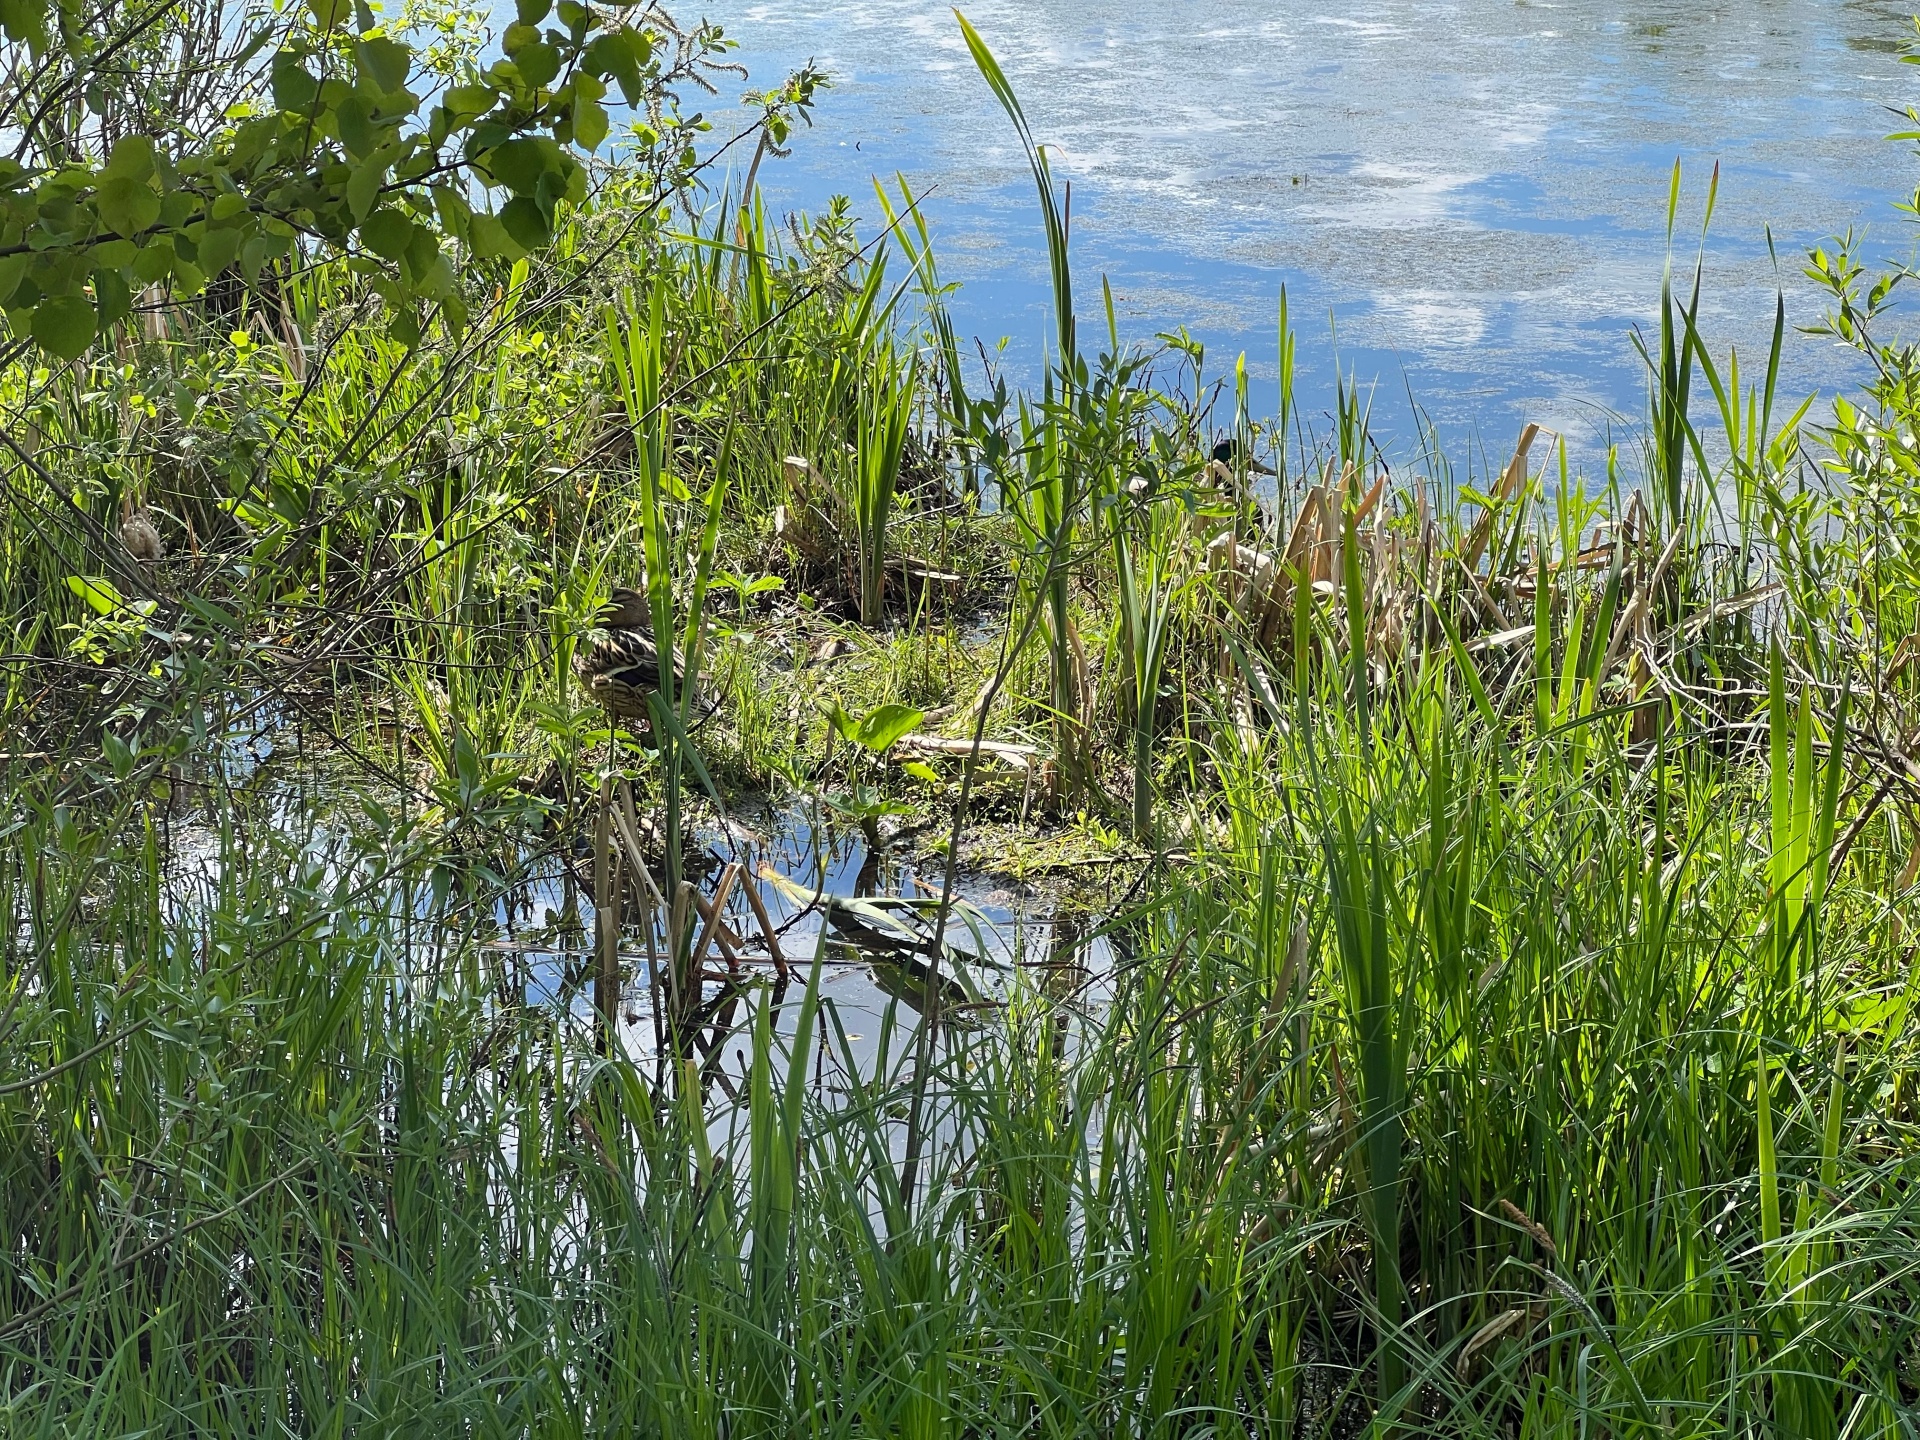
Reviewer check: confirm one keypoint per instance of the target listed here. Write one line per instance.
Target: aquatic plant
(1492, 1014)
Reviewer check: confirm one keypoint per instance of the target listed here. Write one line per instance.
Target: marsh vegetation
(1476, 998)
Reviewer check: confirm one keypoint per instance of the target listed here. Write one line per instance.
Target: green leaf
(387, 233)
(111, 295)
(25, 22)
(132, 157)
(328, 14)
(842, 721)
(64, 325)
(538, 64)
(112, 254)
(519, 164)
(423, 253)
(353, 119)
(13, 270)
(532, 12)
(386, 63)
(154, 263)
(610, 55)
(453, 209)
(920, 770)
(211, 613)
(526, 222)
(97, 591)
(405, 327)
(363, 186)
(589, 122)
(253, 255)
(294, 90)
(467, 101)
(127, 206)
(217, 249)
(884, 724)
(491, 240)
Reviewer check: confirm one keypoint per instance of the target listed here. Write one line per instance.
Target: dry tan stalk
(1024, 757)
(1082, 676)
(1636, 523)
(1326, 548)
(1499, 640)
(1306, 529)
(607, 982)
(676, 927)
(626, 823)
(1254, 578)
(1733, 605)
(767, 932)
(1289, 973)
(1638, 613)
(1241, 708)
(1292, 563)
(1369, 500)
(1912, 871)
(914, 568)
(1486, 601)
(712, 912)
(725, 939)
(1516, 473)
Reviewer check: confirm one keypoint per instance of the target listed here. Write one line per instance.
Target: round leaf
(328, 14)
(589, 122)
(466, 101)
(538, 64)
(387, 233)
(519, 164)
(385, 62)
(111, 294)
(132, 157)
(126, 205)
(526, 223)
(491, 241)
(64, 325)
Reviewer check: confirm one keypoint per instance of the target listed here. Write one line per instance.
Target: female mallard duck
(622, 668)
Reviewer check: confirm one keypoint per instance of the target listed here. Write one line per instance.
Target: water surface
(1472, 194)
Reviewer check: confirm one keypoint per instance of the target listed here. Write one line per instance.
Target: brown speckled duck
(621, 668)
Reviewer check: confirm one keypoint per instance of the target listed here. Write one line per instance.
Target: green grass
(1510, 1032)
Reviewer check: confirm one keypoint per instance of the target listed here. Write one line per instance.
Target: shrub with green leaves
(324, 133)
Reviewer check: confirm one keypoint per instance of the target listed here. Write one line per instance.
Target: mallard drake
(1229, 458)
(622, 667)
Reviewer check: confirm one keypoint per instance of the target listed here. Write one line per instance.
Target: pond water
(825, 895)
(805, 877)
(1473, 193)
